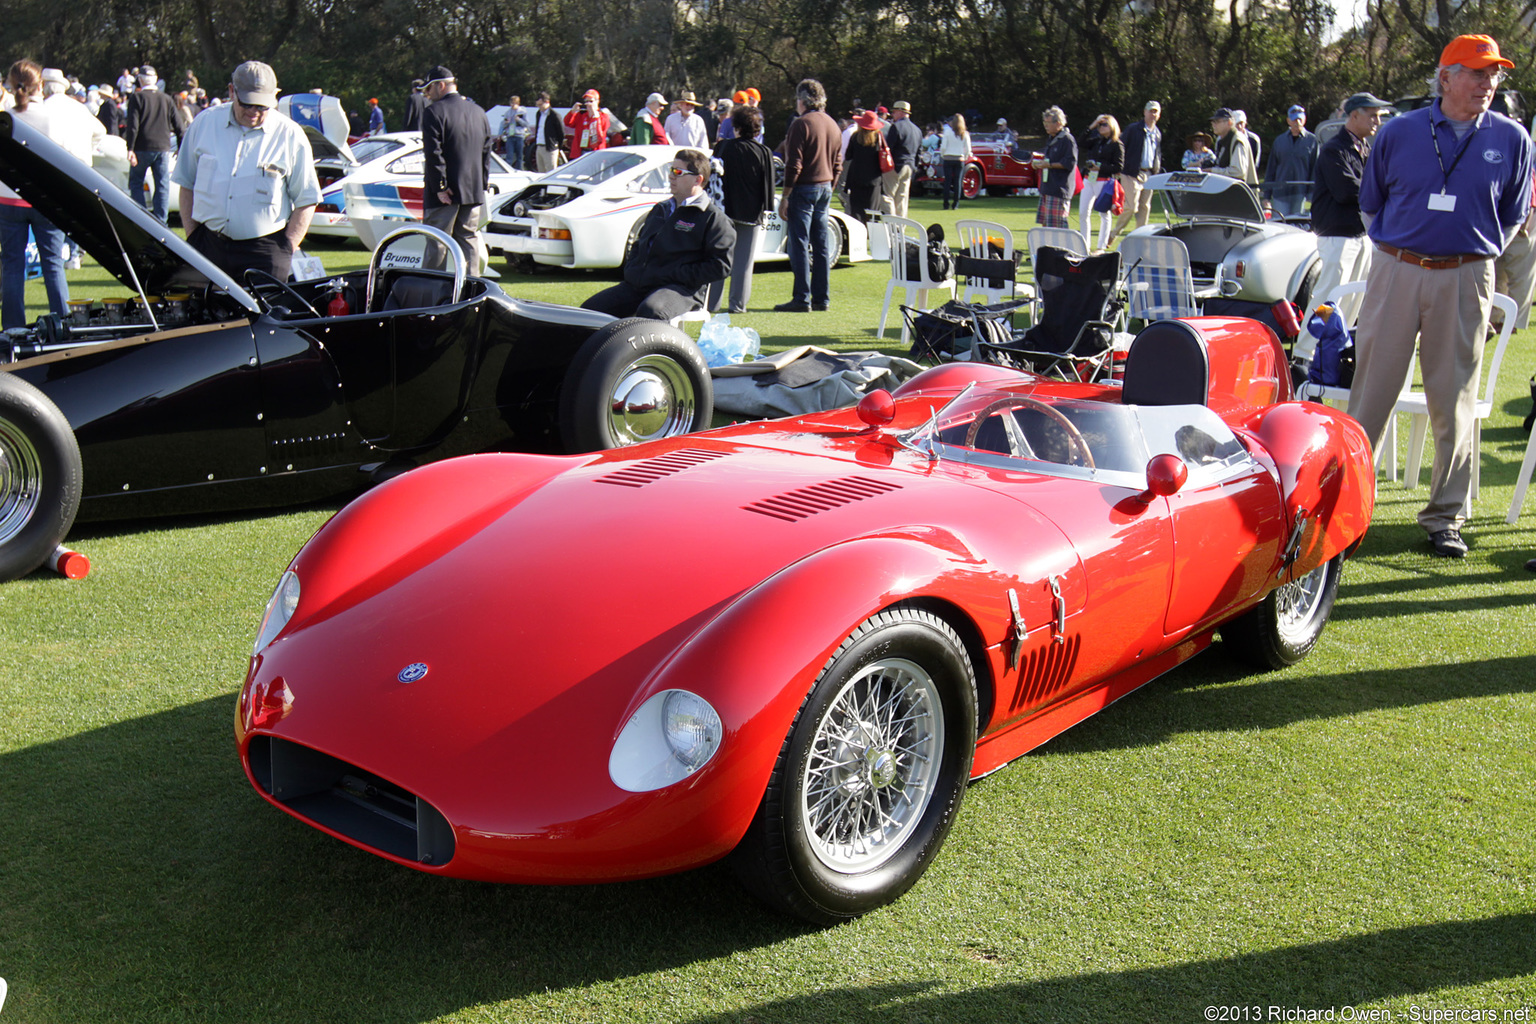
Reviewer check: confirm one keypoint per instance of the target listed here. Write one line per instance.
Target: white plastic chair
(1523, 481)
(1061, 238)
(1160, 283)
(905, 234)
(701, 314)
(987, 240)
(1338, 397)
(1415, 404)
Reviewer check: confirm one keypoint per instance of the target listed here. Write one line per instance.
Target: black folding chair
(1075, 331)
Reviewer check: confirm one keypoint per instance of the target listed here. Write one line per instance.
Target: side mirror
(1165, 476)
(878, 408)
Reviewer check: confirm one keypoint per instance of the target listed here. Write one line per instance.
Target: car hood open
(129, 244)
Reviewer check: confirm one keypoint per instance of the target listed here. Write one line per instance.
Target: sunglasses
(253, 107)
(678, 172)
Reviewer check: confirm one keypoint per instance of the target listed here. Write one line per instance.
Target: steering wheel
(258, 281)
(1075, 436)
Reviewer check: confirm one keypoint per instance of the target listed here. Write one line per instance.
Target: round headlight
(692, 728)
(519, 209)
(668, 738)
(280, 608)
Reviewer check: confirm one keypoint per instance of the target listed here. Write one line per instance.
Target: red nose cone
(877, 408)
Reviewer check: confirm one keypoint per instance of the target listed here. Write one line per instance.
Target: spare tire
(634, 380)
(40, 477)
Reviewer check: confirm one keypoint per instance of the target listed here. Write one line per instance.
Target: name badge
(1442, 201)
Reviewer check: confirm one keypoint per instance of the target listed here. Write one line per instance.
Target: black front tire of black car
(842, 829)
(632, 381)
(1284, 627)
(40, 477)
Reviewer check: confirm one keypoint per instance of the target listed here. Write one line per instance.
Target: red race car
(792, 642)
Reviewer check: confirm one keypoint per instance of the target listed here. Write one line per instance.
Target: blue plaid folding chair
(1160, 284)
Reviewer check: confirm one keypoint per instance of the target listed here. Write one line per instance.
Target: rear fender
(957, 376)
(756, 661)
(1326, 476)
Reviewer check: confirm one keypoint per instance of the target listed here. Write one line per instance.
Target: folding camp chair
(985, 257)
(1159, 280)
(1072, 337)
(956, 330)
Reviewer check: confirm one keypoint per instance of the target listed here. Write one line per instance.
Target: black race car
(195, 393)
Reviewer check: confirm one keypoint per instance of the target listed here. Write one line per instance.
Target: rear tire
(972, 181)
(40, 477)
(632, 381)
(1284, 627)
(871, 775)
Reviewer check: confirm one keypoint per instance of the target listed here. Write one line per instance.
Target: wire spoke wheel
(1297, 605)
(873, 765)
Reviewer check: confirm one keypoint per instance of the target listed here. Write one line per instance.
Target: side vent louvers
(1048, 669)
(651, 470)
(792, 506)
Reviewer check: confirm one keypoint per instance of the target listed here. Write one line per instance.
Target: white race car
(586, 213)
(384, 191)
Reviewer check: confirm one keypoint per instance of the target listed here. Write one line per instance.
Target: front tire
(40, 477)
(871, 775)
(634, 380)
(1284, 627)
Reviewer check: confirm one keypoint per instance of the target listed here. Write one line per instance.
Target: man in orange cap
(1446, 187)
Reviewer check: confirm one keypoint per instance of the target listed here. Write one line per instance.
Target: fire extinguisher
(338, 306)
(1287, 317)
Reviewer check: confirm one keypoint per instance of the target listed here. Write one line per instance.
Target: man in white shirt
(72, 124)
(686, 128)
(247, 179)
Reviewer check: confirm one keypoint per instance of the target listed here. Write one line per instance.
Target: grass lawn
(1355, 831)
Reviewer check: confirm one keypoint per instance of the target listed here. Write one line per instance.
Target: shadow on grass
(1341, 973)
(143, 879)
(1190, 701)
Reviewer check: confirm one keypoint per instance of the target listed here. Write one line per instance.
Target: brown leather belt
(1427, 262)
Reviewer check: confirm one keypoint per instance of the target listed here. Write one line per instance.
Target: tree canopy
(998, 58)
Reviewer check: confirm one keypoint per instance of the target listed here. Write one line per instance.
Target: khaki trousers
(1138, 202)
(1444, 313)
(896, 187)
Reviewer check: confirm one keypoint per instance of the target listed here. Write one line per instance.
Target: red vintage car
(999, 165)
(792, 642)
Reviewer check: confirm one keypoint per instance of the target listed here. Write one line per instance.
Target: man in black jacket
(414, 105)
(456, 141)
(1143, 158)
(904, 139)
(151, 124)
(684, 246)
(1341, 241)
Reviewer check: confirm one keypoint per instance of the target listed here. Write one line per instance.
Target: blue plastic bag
(724, 345)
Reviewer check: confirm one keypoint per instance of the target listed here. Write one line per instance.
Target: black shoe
(791, 307)
(820, 307)
(1448, 544)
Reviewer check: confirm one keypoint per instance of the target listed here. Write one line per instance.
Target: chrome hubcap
(1297, 603)
(21, 480)
(652, 398)
(873, 765)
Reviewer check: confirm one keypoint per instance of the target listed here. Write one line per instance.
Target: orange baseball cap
(1473, 52)
(741, 99)
(757, 97)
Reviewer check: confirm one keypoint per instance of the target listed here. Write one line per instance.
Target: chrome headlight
(671, 736)
(280, 608)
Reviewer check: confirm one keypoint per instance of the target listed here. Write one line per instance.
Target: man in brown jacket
(812, 159)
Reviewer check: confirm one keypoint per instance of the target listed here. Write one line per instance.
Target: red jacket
(590, 132)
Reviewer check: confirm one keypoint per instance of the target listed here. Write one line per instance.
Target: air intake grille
(350, 801)
(651, 470)
(1049, 669)
(792, 506)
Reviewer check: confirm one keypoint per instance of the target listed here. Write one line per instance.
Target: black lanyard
(1445, 174)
